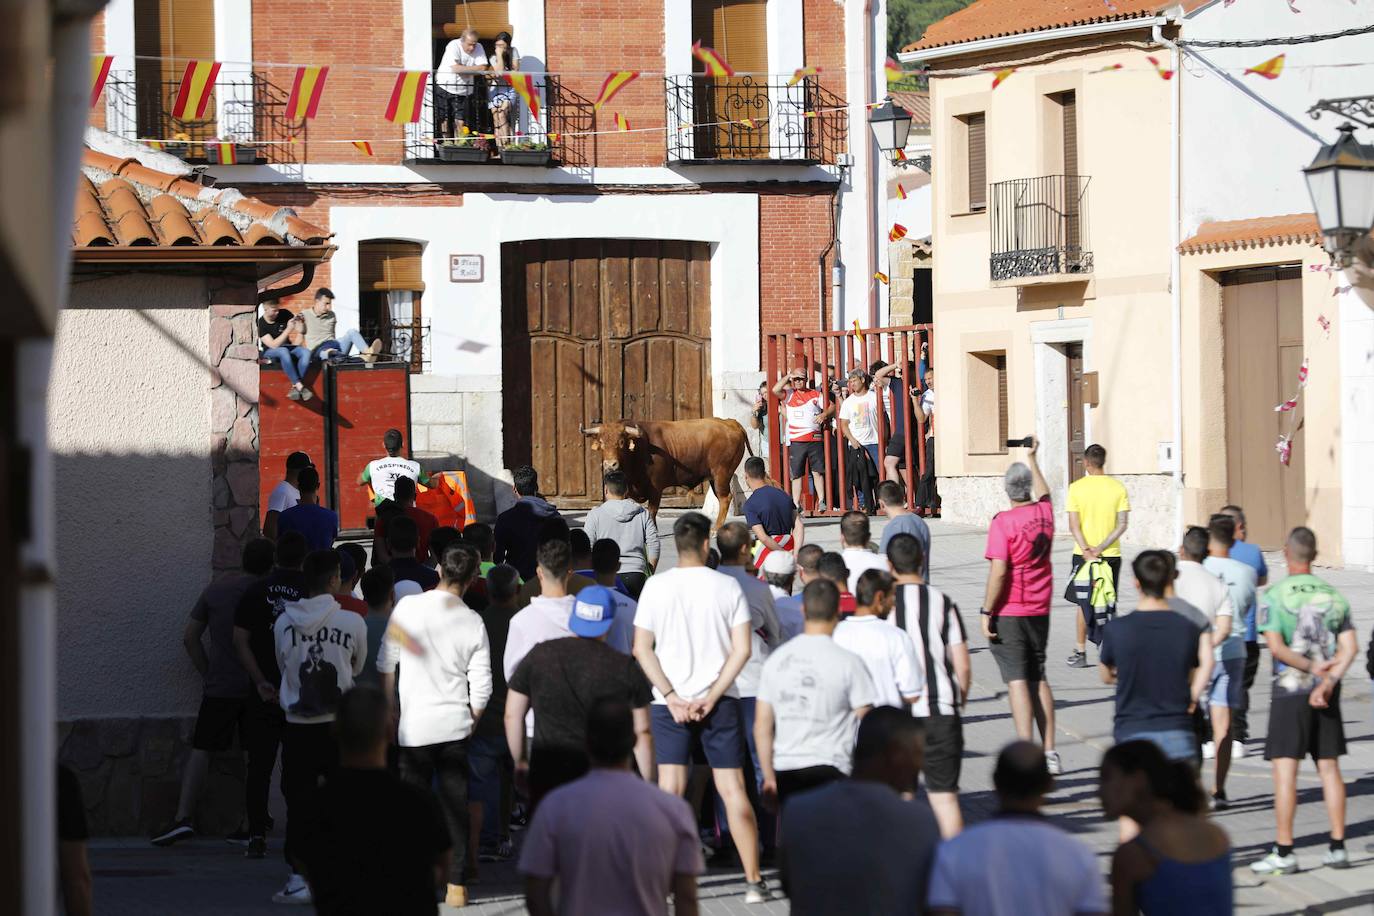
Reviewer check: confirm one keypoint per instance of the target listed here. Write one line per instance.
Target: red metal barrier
(826, 357)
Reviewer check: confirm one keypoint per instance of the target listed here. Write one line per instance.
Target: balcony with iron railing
(242, 109)
(753, 119)
(458, 125)
(1039, 230)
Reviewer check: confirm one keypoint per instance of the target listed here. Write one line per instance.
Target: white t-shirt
(928, 408)
(1241, 583)
(765, 631)
(460, 83)
(445, 660)
(803, 407)
(814, 687)
(860, 559)
(383, 472)
(888, 653)
(691, 611)
(861, 410)
(1206, 592)
(1040, 869)
(622, 634)
(943, 629)
(282, 497)
(541, 620)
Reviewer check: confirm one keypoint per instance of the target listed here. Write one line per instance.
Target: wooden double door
(599, 329)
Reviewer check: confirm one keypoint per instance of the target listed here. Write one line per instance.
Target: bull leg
(721, 487)
(652, 504)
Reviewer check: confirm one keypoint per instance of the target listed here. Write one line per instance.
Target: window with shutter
(1001, 364)
(977, 158)
(386, 265)
(389, 293)
(449, 20)
(1068, 104)
(168, 33)
(738, 30)
(985, 381)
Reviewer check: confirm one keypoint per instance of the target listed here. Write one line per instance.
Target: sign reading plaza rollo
(465, 268)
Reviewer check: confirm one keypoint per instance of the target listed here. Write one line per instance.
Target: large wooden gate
(599, 329)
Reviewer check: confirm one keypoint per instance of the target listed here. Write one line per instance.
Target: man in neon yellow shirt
(1098, 511)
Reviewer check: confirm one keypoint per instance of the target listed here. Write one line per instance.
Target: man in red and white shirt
(806, 412)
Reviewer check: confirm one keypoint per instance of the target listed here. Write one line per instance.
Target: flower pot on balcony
(448, 153)
(180, 150)
(525, 156)
(246, 154)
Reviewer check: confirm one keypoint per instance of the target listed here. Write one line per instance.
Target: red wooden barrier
(286, 426)
(367, 402)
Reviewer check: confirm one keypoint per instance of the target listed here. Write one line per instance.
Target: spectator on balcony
(322, 338)
(274, 335)
(500, 94)
(455, 88)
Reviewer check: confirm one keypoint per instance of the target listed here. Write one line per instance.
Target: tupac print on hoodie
(321, 648)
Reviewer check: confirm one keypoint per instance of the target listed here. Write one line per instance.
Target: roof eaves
(916, 53)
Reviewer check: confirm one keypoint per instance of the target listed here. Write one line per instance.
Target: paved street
(206, 876)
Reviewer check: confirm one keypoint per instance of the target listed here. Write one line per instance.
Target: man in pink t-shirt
(1016, 607)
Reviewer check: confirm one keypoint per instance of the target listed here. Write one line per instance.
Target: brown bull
(655, 455)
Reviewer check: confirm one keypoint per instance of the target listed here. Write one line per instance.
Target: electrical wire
(1268, 42)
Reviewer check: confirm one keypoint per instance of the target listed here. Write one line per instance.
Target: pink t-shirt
(614, 842)
(1024, 536)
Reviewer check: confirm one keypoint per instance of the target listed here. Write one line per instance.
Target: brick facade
(793, 231)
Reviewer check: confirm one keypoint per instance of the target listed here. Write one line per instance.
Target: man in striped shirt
(933, 622)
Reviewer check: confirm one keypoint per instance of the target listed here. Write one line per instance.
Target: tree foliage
(907, 20)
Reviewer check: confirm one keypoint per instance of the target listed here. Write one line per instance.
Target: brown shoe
(457, 896)
(370, 354)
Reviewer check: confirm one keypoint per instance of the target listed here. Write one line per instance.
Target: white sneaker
(295, 892)
(1237, 750)
(1275, 864)
(1052, 763)
(1209, 750)
(757, 892)
(1336, 858)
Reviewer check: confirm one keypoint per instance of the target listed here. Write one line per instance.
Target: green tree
(907, 20)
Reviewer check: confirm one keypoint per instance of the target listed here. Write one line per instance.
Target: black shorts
(1020, 647)
(217, 722)
(1298, 730)
(795, 782)
(944, 752)
(896, 446)
(803, 453)
(721, 736)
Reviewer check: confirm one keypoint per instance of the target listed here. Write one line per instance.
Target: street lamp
(891, 124)
(1341, 182)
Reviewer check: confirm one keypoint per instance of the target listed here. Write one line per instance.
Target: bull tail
(749, 448)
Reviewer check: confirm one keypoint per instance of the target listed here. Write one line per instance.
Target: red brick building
(628, 274)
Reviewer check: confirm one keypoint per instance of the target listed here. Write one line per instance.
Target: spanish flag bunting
(225, 151)
(193, 95)
(523, 84)
(712, 60)
(881, 277)
(1109, 68)
(614, 83)
(621, 123)
(407, 97)
(901, 191)
(858, 330)
(100, 69)
(156, 144)
(809, 114)
(899, 156)
(683, 128)
(306, 90)
(554, 137)
(1163, 74)
(364, 147)
(999, 76)
(896, 233)
(1270, 69)
(802, 73)
(748, 123)
(893, 70)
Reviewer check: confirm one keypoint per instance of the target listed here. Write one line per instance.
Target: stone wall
(233, 355)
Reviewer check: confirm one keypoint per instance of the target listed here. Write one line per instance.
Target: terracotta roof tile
(216, 230)
(996, 18)
(1229, 235)
(260, 234)
(917, 104)
(172, 222)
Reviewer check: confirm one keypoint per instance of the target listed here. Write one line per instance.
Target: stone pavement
(205, 876)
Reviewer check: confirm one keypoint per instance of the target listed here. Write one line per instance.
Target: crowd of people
(761, 700)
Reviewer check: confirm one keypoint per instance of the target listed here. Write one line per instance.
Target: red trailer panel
(366, 403)
(286, 426)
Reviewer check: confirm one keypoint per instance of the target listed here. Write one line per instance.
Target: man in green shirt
(1306, 624)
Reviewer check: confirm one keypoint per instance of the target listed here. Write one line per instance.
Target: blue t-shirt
(1251, 556)
(318, 525)
(914, 525)
(771, 508)
(1154, 654)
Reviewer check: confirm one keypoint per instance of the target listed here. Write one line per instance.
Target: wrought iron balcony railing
(403, 338)
(1040, 227)
(555, 137)
(243, 108)
(753, 119)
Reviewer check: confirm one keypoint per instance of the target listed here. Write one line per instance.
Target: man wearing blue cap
(560, 679)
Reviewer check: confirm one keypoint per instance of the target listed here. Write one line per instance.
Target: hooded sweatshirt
(321, 648)
(517, 533)
(628, 524)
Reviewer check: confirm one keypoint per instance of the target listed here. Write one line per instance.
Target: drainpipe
(1175, 266)
(870, 198)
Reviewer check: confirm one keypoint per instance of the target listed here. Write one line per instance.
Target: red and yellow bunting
(748, 123)
(1110, 68)
(1000, 76)
(901, 191)
(621, 122)
(712, 60)
(225, 153)
(1159, 68)
(881, 277)
(893, 70)
(306, 90)
(100, 70)
(363, 147)
(858, 330)
(1270, 69)
(899, 155)
(407, 97)
(193, 95)
(896, 233)
(614, 83)
(523, 84)
(802, 73)
(156, 144)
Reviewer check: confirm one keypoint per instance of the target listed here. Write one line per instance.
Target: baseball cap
(297, 461)
(593, 612)
(779, 563)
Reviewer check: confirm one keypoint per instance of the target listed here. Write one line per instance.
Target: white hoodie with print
(321, 648)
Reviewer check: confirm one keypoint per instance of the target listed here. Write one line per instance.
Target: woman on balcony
(500, 94)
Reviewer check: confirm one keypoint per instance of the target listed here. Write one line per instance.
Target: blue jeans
(294, 360)
(345, 345)
(1177, 744)
(490, 768)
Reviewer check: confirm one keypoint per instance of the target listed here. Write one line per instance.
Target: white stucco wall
(1356, 311)
(128, 421)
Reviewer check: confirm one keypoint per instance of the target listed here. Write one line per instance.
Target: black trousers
(444, 767)
(263, 724)
(1240, 718)
(927, 491)
(792, 782)
(634, 582)
(308, 754)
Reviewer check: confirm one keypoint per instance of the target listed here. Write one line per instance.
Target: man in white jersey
(887, 651)
(806, 412)
(383, 472)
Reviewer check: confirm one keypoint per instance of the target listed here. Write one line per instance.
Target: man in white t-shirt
(286, 493)
(887, 651)
(806, 412)
(859, 427)
(855, 535)
(692, 640)
(811, 697)
(383, 472)
(457, 91)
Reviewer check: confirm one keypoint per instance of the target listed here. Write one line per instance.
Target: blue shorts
(1177, 744)
(721, 736)
(1227, 687)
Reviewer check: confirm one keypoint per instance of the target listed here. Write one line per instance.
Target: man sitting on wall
(275, 330)
(322, 338)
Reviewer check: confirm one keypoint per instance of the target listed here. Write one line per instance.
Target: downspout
(870, 198)
(1175, 267)
(820, 261)
(307, 270)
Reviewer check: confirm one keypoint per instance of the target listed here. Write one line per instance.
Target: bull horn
(590, 430)
(634, 432)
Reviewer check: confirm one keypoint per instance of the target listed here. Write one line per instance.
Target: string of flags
(1284, 446)
(1270, 69)
(306, 89)
(614, 83)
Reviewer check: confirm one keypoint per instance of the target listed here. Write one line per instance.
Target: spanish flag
(1270, 69)
(193, 96)
(227, 155)
(901, 191)
(893, 69)
(808, 114)
(523, 84)
(100, 69)
(156, 144)
(749, 123)
(1163, 74)
(899, 156)
(802, 73)
(881, 277)
(896, 233)
(858, 330)
(1109, 68)
(363, 147)
(711, 59)
(620, 122)
(614, 83)
(999, 76)
(305, 93)
(407, 97)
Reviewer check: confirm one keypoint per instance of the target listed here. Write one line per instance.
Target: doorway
(1073, 358)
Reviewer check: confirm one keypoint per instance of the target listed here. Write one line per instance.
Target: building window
(976, 159)
(389, 296)
(168, 33)
(986, 383)
(488, 17)
(738, 29)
